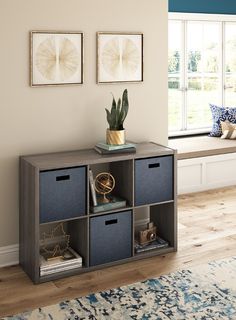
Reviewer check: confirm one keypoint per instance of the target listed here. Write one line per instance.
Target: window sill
(188, 133)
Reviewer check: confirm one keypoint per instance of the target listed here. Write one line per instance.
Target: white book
(59, 262)
(75, 265)
(58, 266)
(92, 188)
(48, 272)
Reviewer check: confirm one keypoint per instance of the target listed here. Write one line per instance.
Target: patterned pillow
(221, 114)
(228, 130)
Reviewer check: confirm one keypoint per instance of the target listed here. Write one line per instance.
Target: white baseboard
(9, 255)
(205, 173)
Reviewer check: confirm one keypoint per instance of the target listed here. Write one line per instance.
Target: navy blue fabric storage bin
(153, 180)
(62, 194)
(110, 237)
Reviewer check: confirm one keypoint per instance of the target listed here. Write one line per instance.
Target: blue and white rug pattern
(204, 292)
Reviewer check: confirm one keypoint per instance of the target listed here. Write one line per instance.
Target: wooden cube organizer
(152, 167)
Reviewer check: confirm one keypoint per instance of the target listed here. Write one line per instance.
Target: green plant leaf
(108, 117)
(118, 105)
(113, 106)
(113, 113)
(118, 114)
(124, 109)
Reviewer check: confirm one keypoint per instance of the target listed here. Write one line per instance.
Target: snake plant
(118, 112)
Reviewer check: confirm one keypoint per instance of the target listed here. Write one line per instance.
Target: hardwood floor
(207, 231)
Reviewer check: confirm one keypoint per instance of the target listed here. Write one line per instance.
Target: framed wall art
(119, 57)
(56, 58)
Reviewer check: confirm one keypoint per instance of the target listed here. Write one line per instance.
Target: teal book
(116, 151)
(115, 203)
(111, 147)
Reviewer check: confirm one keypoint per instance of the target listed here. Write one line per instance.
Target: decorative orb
(104, 184)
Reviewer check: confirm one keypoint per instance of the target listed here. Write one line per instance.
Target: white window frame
(201, 17)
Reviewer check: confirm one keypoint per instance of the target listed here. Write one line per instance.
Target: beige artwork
(120, 59)
(120, 56)
(56, 60)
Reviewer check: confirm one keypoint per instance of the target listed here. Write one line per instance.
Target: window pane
(174, 71)
(203, 65)
(230, 64)
(201, 91)
(175, 99)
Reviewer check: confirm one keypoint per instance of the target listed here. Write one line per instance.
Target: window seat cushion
(201, 146)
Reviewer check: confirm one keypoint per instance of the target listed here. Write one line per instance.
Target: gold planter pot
(115, 136)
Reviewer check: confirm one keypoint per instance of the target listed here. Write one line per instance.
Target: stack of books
(114, 203)
(60, 264)
(159, 243)
(104, 148)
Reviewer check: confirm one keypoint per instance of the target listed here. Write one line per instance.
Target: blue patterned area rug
(204, 292)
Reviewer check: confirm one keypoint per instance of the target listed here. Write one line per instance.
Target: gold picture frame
(56, 58)
(119, 57)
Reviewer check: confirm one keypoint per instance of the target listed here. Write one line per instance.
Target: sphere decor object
(104, 184)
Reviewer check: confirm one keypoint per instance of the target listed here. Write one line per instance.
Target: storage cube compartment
(62, 194)
(110, 237)
(163, 217)
(153, 180)
(122, 194)
(55, 238)
(154, 228)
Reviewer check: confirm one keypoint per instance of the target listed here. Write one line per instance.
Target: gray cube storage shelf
(54, 188)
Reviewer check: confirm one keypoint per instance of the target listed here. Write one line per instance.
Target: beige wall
(36, 120)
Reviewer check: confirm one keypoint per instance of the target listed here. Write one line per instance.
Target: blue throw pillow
(221, 114)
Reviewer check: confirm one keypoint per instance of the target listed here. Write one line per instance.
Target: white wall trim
(205, 173)
(9, 255)
(201, 16)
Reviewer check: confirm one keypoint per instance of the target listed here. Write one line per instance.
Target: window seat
(201, 146)
(204, 163)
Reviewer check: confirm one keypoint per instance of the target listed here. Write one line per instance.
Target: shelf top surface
(75, 158)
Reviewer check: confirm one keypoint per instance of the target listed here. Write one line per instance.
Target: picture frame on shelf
(119, 57)
(56, 58)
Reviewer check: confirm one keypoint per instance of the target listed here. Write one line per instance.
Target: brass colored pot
(115, 136)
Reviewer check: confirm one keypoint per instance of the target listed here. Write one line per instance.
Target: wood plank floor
(207, 231)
